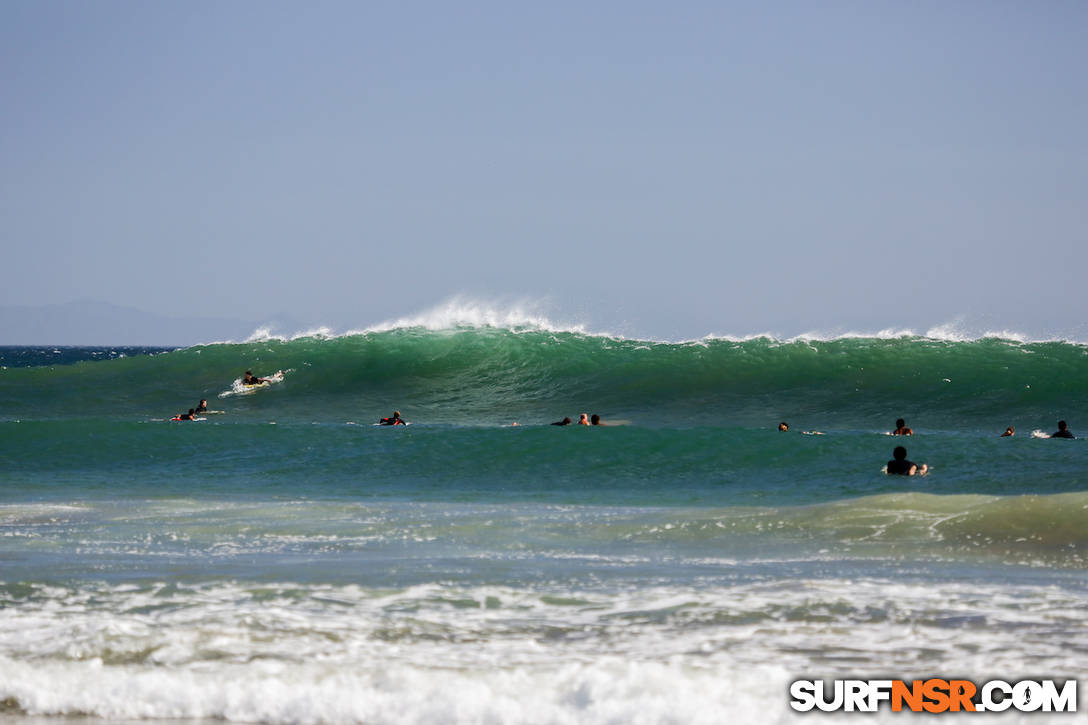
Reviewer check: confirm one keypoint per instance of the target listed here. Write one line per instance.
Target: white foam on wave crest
(954, 331)
(456, 313)
(265, 334)
(461, 312)
(526, 315)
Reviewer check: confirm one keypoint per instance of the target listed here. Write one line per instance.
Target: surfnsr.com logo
(934, 695)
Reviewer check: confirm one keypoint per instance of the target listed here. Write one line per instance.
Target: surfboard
(240, 388)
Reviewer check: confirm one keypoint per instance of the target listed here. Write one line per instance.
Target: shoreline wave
(289, 652)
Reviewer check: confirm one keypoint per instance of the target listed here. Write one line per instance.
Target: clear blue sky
(665, 169)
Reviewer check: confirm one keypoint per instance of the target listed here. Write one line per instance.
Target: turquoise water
(285, 560)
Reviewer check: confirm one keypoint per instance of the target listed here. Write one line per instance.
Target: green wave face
(490, 376)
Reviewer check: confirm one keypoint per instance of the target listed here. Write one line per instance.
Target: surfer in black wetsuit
(1009, 432)
(565, 421)
(595, 420)
(1063, 431)
(202, 407)
(899, 465)
(191, 415)
(395, 420)
(251, 379)
(901, 428)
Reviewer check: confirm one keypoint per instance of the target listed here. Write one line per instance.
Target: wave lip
(457, 313)
(463, 312)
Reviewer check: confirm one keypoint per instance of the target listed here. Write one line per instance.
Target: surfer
(596, 420)
(191, 415)
(251, 379)
(565, 421)
(784, 427)
(583, 419)
(1063, 431)
(202, 407)
(901, 428)
(395, 420)
(901, 466)
(1010, 431)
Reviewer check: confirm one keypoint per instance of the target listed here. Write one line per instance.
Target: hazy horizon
(669, 173)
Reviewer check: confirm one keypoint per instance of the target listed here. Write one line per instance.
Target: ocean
(287, 561)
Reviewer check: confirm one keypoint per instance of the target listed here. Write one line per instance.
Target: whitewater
(286, 561)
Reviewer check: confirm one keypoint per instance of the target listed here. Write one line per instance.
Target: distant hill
(100, 323)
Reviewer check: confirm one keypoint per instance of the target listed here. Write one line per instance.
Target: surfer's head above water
(783, 426)
(899, 465)
(394, 419)
(1063, 431)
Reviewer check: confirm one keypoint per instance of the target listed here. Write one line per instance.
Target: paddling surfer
(394, 420)
(1063, 431)
(901, 428)
(899, 465)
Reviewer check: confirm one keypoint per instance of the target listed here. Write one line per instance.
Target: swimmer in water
(1009, 432)
(596, 420)
(901, 428)
(899, 465)
(202, 407)
(1063, 431)
(583, 419)
(394, 420)
(784, 427)
(565, 421)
